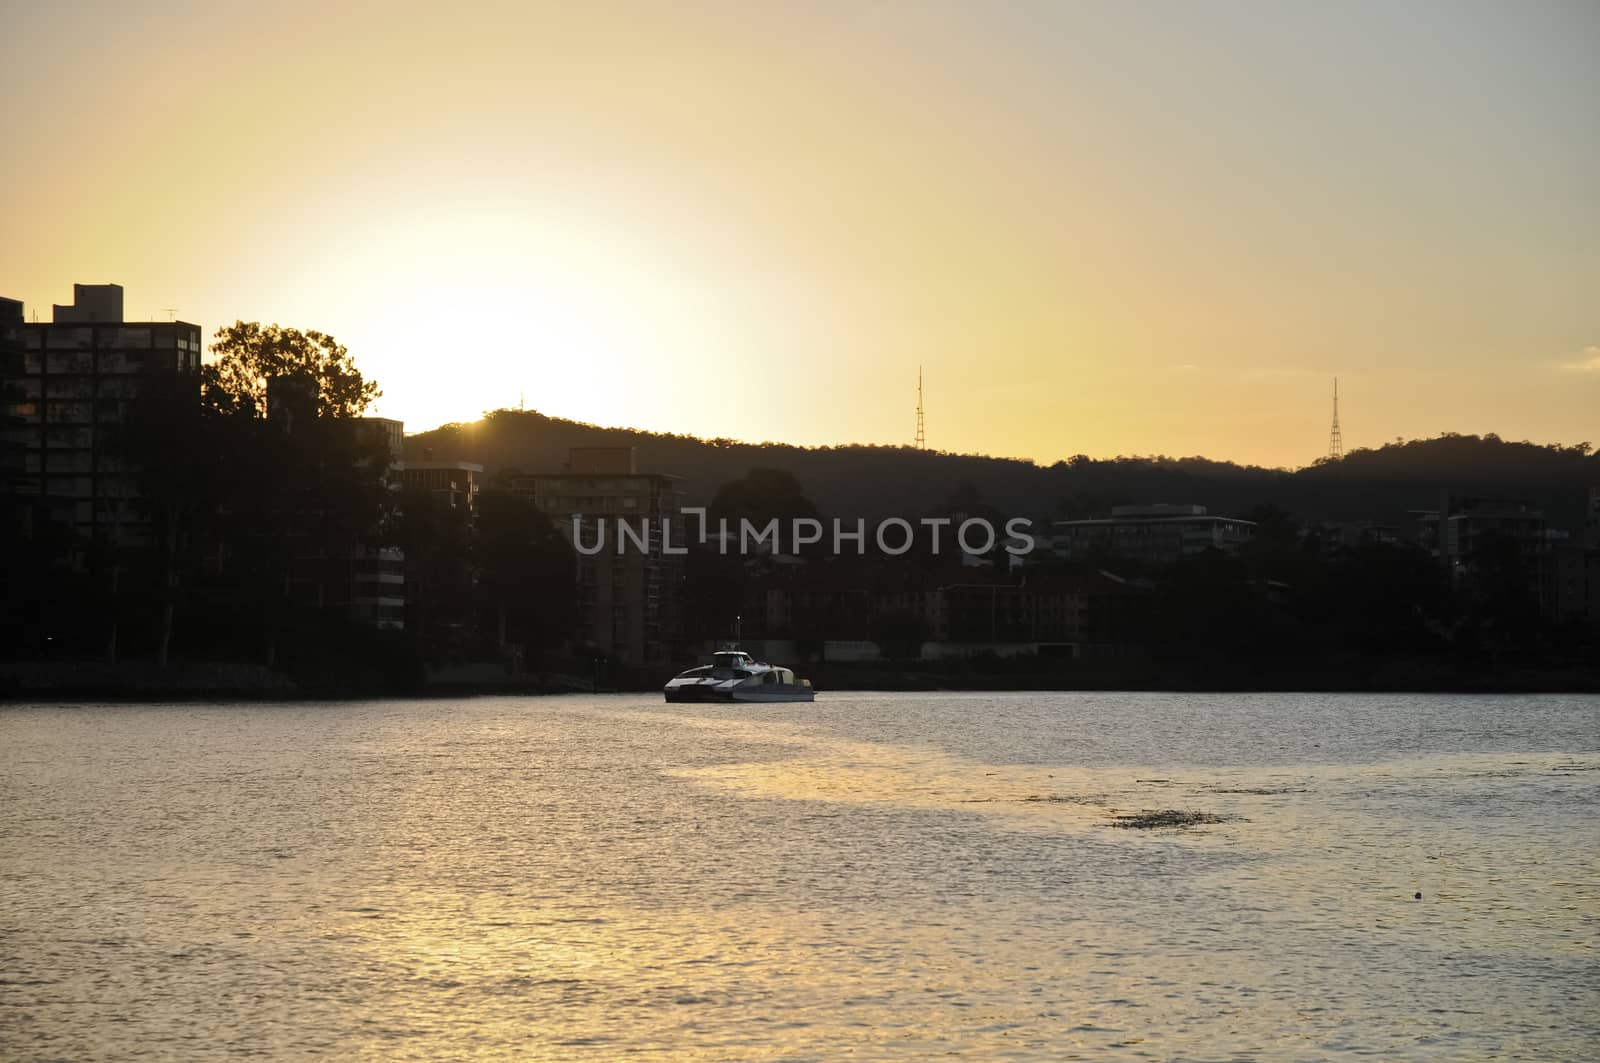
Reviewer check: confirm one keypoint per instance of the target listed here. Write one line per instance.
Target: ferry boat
(734, 675)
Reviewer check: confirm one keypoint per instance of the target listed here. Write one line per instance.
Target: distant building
(78, 378)
(628, 600)
(370, 587)
(1091, 615)
(1334, 536)
(20, 519)
(1573, 588)
(1094, 614)
(1465, 531)
(393, 435)
(1158, 534)
(813, 603)
(454, 483)
(12, 448)
(374, 584)
(363, 582)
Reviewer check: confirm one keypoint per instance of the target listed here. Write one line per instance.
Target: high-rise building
(78, 378)
(12, 448)
(627, 597)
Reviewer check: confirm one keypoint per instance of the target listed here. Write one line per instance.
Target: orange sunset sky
(1101, 228)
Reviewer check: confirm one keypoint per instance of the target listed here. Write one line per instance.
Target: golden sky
(1101, 228)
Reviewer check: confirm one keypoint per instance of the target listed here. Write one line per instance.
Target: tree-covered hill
(872, 481)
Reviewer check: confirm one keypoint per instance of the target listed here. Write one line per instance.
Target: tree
(760, 496)
(967, 504)
(1388, 598)
(308, 482)
(527, 571)
(248, 356)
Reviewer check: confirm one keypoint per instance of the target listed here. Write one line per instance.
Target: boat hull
(774, 695)
(730, 692)
(690, 694)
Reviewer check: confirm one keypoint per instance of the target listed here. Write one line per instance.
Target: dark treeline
(1378, 485)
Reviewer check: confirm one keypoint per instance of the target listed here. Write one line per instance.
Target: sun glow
(466, 310)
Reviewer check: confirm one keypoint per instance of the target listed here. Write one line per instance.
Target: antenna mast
(1335, 444)
(922, 436)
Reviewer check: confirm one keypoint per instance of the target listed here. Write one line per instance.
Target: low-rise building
(1158, 534)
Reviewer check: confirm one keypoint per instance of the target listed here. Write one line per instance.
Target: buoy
(1418, 896)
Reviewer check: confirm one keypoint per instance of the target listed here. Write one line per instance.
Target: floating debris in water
(1068, 799)
(1159, 818)
(1259, 791)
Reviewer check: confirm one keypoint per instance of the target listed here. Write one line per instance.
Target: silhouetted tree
(249, 356)
(760, 496)
(526, 571)
(1388, 598)
(309, 482)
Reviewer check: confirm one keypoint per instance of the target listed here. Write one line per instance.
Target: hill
(873, 481)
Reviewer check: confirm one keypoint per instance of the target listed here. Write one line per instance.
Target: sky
(1097, 228)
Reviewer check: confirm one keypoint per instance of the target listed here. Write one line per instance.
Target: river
(879, 876)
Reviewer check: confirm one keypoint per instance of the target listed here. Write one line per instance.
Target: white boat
(734, 675)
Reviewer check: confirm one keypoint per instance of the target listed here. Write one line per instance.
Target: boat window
(770, 677)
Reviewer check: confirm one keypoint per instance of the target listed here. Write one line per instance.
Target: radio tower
(1335, 444)
(922, 437)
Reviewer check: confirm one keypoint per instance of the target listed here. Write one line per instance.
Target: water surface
(876, 876)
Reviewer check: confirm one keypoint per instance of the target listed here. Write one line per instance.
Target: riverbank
(62, 680)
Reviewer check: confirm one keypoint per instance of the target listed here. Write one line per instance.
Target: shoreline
(142, 682)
